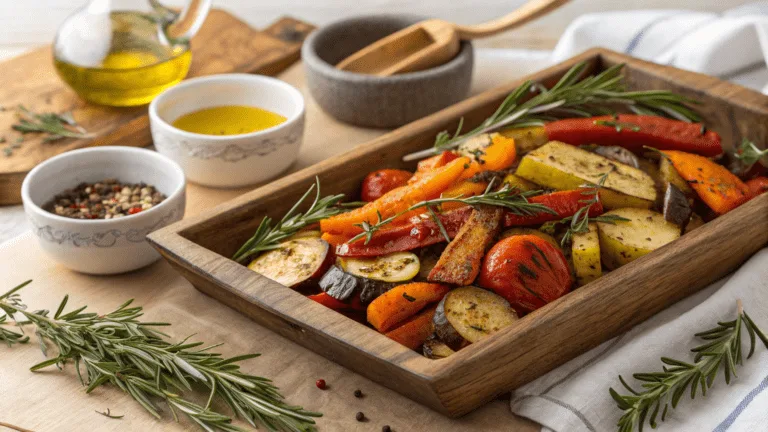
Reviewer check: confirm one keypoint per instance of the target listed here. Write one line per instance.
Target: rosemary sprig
(507, 197)
(579, 222)
(570, 97)
(748, 153)
(268, 237)
(119, 349)
(109, 414)
(662, 389)
(57, 126)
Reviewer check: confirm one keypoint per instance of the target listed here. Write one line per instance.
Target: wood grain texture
(224, 44)
(198, 247)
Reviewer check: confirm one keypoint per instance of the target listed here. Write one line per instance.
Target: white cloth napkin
(575, 398)
(732, 45)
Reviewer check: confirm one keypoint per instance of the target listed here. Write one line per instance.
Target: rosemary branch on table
(507, 197)
(268, 237)
(57, 126)
(572, 96)
(119, 349)
(579, 222)
(662, 389)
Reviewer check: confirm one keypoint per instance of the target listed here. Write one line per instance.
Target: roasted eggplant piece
(470, 314)
(435, 349)
(428, 258)
(619, 154)
(295, 262)
(394, 267)
(676, 207)
(344, 286)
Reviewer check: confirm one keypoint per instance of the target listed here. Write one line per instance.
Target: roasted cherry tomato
(526, 270)
(757, 186)
(377, 183)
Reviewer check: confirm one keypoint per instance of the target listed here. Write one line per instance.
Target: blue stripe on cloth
(728, 422)
(635, 41)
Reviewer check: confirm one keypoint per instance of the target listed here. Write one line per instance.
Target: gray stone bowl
(379, 102)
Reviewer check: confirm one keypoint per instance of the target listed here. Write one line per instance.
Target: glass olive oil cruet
(125, 56)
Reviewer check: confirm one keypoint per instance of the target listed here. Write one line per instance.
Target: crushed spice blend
(108, 199)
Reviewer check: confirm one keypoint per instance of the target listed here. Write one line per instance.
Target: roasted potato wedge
(526, 139)
(624, 242)
(585, 255)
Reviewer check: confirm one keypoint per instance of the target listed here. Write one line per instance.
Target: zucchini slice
(395, 267)
(295, 261)
(470, 314)
(626, 241)
(435, 349)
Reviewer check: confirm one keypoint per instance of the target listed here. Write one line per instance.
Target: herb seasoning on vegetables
(108, 199)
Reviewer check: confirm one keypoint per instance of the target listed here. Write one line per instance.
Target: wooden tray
(224, 44)
(199, 248)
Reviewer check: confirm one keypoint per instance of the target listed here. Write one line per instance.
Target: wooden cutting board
(224, 44)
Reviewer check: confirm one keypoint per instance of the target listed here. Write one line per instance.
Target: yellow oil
(135, 70)
(228, 120)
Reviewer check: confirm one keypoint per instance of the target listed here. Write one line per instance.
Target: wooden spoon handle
(527, 12)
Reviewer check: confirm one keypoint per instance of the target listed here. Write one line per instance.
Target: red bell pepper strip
(757, 186)
(420, 231)
(332, 303)
(632, 132)
(564, 203)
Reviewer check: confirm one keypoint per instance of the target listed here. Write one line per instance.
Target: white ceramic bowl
(102, 246)
(232, 160)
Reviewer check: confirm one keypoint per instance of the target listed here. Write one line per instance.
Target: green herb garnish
(57, 126)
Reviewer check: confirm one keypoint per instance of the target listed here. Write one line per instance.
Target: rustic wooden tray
(199, 248)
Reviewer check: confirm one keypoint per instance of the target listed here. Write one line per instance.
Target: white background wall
(25, 23)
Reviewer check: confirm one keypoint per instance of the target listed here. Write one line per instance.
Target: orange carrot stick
(402, 302)
(720, 189)
(499, 155)
(430, 186)
(413, 332)
(464, 189)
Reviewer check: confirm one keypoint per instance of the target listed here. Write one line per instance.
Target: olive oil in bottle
(135, 66)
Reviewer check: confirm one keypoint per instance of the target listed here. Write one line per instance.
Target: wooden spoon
(433, 42)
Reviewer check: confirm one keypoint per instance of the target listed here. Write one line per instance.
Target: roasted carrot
(413, 332)
(459, 264)
(420, 231)
(432, 163)
(330, 302)
(757, 186)
(464, 189)
(379, 182)
(430, 186)
(403, 302)
(717, 187)
(499, 154)
(564, 203)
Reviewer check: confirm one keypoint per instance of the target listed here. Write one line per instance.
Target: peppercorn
(360, 416)
(320, 384)
(358, 394)
(386, 428)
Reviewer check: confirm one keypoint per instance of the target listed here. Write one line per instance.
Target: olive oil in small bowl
(128, 63)
(229, 130)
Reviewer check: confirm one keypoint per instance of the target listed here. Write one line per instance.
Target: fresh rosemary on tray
(133, 355)
(662, 389)
(268, 237)
(572, 96)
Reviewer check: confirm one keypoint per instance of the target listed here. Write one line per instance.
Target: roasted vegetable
(295, 262)
(619, 154)
(585, 254)
(757, 186)
(526, 139)
(463, 189)
(489, 152)
(695, 222)
(429, 186)
(625, 241)
(428, 258)
(565, 167)
(403, 302)
(436, 349)
(330, 302)
(344, 286)
(394, 267)
(460, 262)
(717, 187)
(562, 203)
(676, 208)
(470, 314)
(429, 164)
(526, 270)
(378, 183)
(668, 175)
(420, 231)
(414, 331)
(633, 132)
(530, 231)
(520, 183)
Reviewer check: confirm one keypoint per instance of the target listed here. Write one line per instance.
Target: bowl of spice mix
(91, 209)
